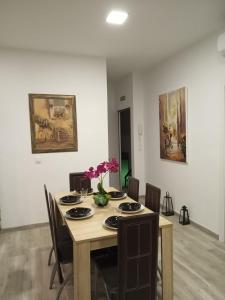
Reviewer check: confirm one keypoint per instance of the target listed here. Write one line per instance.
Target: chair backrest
(54, 229)
(152, 197)
(138, 257)
(133, 188)
(49, 213)
(79, 181)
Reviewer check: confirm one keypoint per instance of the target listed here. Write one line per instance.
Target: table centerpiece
(101, 198)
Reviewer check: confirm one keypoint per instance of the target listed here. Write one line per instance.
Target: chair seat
(107, 265)
(63, 233)
(111, 281)
(101, 257)
(65, 250)
(107, 261)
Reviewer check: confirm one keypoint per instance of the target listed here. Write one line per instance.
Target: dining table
(91, 234)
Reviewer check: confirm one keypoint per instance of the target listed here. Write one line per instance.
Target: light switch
(38, 160)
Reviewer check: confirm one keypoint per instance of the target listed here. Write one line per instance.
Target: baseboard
(202, 228)
(24, 227)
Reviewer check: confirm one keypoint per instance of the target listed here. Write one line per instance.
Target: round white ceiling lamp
(116, 17)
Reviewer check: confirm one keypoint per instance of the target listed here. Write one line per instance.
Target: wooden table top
(92, 228)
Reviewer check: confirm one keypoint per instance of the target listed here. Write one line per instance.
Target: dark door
(125, 147)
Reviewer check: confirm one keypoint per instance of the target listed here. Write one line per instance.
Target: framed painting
(172, 121)
(53, 123)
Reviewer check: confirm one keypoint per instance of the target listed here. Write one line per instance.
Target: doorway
(125, 147)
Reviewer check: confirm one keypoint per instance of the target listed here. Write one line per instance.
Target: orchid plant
(105, 167)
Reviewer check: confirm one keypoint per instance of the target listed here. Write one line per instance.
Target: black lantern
(167, 207)
(184, 216)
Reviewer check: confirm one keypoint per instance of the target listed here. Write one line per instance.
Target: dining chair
(63, 250)
(152, 197)
(78, 181)
(50, 225)
(152, 201)
(133, 273)
(62, 230)
(133, 188)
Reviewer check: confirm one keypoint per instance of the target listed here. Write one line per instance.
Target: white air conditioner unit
(221, 44)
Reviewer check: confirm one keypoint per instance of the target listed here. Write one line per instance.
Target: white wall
(113, 133)
(138, 131)
(131, 87)
(123, 87)
(199, 184)
(21, 178)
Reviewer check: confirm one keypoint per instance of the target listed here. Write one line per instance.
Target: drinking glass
(83, 193)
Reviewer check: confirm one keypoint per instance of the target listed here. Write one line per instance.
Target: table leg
(167, 262)
(82, 271)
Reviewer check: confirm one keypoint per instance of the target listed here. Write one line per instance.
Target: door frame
(119, 136)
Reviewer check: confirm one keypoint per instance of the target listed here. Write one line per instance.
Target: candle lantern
(184, 216)
(167, 207)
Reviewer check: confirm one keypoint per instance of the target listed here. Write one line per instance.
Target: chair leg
(62, 285)
(160, 272)
(53, 275)
(50, 256)
(95, 282)
(60, 275)
(106, 291)
(158, 267)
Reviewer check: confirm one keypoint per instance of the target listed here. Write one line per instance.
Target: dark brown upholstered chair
(79, 181)
(152, 201)
(63, 250)
(63, 247)
(133, 188)
(133, 273)
(48, 209)
(62, 231)
(152, 197)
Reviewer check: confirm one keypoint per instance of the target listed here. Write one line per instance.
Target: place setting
(112, 222)
(130, 207)
(79, 213)
(117, 195)
(70, 200)
(75, 197)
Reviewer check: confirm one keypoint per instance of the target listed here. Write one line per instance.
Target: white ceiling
(154, 30)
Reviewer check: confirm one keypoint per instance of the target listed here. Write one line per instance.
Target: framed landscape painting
(53, 123)
(172, 119)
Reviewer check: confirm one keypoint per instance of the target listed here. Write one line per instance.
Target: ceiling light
(117, 17)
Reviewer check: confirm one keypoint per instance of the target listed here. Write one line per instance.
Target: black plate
(130, 206)
(78, 212)
(70, 199)
(116, 194)
(112, 221)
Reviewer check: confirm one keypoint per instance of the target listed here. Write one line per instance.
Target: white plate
(71, 203)
(131, 212)
(120, 198)
(80, 218)
(107, 226)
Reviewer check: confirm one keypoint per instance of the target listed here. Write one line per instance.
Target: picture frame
(173, 125)
(53, 123)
